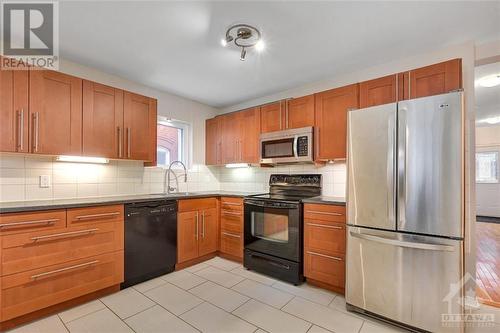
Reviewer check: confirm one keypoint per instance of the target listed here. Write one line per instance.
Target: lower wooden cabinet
(231, 227)
(197, 228)
(231, 244)
(324, 245)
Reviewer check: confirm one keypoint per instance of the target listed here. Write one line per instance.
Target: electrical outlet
(44, 181)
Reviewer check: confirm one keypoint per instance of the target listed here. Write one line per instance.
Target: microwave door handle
(295, 143)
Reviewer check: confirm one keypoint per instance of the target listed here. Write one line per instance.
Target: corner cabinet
(331, 122)
(213, 141)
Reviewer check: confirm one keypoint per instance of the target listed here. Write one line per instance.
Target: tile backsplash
(20, 178)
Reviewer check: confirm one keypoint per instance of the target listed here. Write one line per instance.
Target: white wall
(488, 195)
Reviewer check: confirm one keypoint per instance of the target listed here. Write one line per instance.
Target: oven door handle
(258, 204)
(295, 144)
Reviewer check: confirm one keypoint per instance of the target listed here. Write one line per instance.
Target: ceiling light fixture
(244, 36)
(489, 81)
(82, 159)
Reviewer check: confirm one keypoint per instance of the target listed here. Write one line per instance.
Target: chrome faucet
(166, 178)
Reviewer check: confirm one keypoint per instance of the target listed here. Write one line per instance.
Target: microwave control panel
(302, 146)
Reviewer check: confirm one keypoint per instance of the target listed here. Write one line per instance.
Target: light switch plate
(44, 181)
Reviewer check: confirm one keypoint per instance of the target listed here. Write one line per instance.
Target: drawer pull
(15, 224)
(325, 226)
(231, 213)
(231, 204)
(324, 255)
(231, 235)
(324, 213)
(97, 216)
(64, 234)
(36, 276)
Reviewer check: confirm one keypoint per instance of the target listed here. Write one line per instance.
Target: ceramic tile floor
(215, 296)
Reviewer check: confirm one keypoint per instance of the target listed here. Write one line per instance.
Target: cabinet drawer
(36, 289)
(196, 204)
(26, 222)
(231, 221)
(22, 252)
(231, 243)
(78, 216)
(230, 204)
(328, 238)
(326, 269)
(329, 213)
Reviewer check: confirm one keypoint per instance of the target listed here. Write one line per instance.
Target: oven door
(274, 228)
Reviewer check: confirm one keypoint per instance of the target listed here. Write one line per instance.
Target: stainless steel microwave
(289, 146)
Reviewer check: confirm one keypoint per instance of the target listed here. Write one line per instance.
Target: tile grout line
(118, 316)
(69, 321)
(62, 322)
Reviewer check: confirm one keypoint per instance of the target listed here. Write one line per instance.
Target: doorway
(487, 92)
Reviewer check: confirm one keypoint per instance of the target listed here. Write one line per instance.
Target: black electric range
(273, 226)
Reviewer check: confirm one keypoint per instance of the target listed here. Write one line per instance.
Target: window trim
(489, 151)
(187, 147)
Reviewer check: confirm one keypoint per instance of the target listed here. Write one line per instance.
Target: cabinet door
(300, 112)
(139, 121)
(207, 231)
(56, 113)
(271, 117)
(213, 144)
(435, 79)
(230, 135)
(102, 120)
(187, 236)
(249, 135)
(331, 121)
(13, 110)
(378, 91)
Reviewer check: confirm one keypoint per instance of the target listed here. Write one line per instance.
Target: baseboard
(194, 261)
(230, 257)
(326, 286)
(488, 219)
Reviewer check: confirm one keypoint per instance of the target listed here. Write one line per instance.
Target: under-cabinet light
(82, 159)
(237, 165)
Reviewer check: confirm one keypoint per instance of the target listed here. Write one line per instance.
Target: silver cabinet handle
(15, 224)
(196, 227)
(324, 256)
(120, 141)
(325, 226)
(96, 216)
(20, 144)
(230, 235)
(64, 234)
(36, 276)
(230, 213)
(231, 203)
(324, 213)
(400, 243)
(129, 134)
(203, 224)
(36, 131)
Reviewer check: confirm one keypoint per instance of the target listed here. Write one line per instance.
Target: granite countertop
(326, 200)
(26, 206)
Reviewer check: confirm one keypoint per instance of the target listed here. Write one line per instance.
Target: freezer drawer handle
(323, 255)
(395, 242)
(323, 213)
(325, 226)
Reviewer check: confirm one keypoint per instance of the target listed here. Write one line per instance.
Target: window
(487, 167)
(173, 142)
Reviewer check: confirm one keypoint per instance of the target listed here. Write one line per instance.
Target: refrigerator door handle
(402, 164)
(400, 243)
(391, 170)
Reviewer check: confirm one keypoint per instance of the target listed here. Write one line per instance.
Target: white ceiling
(174, 46)
(487, 99)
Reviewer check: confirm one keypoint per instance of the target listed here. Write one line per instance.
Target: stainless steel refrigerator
(406, 209)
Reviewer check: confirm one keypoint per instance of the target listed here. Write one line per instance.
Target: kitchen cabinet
(287, 114)
(324, 245)
(249, 136)
(139, 121)
(55, 101)
(383, 90)
(331, 121)
(213, 141)
(434, 79)
(50, 257)
(197, 228)
(230, 137)
(231, 228)
(102, 120)
(14, 112)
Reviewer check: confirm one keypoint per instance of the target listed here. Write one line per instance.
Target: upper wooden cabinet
(230, 137)
(331, 121)
(55, 101)
(213, 141)
(249, 136)
(299, 112)
(139, 121)
(14, 112)
(287, 114)
(271, 117)
(383, 90)
(435, 79)
(102, 120)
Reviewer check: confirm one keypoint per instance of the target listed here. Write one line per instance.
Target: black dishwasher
(150, 240)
